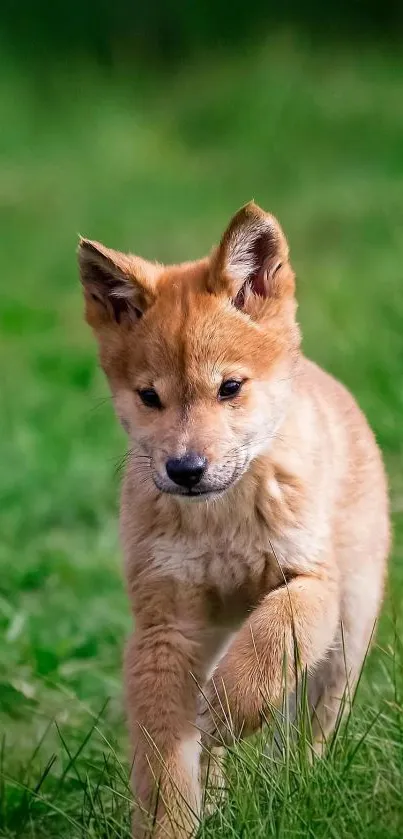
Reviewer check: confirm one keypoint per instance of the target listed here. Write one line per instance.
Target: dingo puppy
(254, 512)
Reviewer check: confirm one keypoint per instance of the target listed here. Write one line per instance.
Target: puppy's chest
(236, 566)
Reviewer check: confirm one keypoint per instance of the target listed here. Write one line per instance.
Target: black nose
(186, 471)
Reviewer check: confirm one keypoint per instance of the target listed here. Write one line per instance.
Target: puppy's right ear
(118, 287)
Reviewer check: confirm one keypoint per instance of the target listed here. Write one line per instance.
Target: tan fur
(290, 545)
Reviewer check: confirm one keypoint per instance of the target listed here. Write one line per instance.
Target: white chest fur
(238, 555)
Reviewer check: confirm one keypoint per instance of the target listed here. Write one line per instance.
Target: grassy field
(158, 165)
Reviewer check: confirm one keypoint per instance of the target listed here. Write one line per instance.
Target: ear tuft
(114, 288)
(252, 257)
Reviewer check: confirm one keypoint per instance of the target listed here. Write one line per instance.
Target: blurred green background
(147, 128)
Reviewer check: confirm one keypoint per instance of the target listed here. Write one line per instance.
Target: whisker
(141, 462)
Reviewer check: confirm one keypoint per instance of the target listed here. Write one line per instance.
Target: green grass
(158, 166)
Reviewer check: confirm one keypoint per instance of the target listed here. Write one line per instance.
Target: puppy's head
(199, 356)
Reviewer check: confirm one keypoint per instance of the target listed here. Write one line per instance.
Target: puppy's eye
(229, 389)
(149, 397)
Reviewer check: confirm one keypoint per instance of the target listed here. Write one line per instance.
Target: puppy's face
(199, 356)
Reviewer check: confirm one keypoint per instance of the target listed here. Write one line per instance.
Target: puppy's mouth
(195, 494)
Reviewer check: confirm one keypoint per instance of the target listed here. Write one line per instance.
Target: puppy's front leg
(161, 700)
(294, 624)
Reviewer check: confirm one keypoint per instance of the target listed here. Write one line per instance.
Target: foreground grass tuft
(75, 783)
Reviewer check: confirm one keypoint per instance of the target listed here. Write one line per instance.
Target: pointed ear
(252, 258)
(118, 288)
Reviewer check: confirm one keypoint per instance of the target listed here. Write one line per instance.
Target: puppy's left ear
(252, 258)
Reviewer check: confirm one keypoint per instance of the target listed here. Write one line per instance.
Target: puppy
(254, 514)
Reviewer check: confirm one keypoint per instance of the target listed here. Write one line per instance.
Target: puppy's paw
(214, 719)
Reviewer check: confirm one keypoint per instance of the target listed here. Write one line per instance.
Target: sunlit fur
(285, 539)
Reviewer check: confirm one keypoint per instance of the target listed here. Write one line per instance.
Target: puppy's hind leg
(213, 779)
(331, 692)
